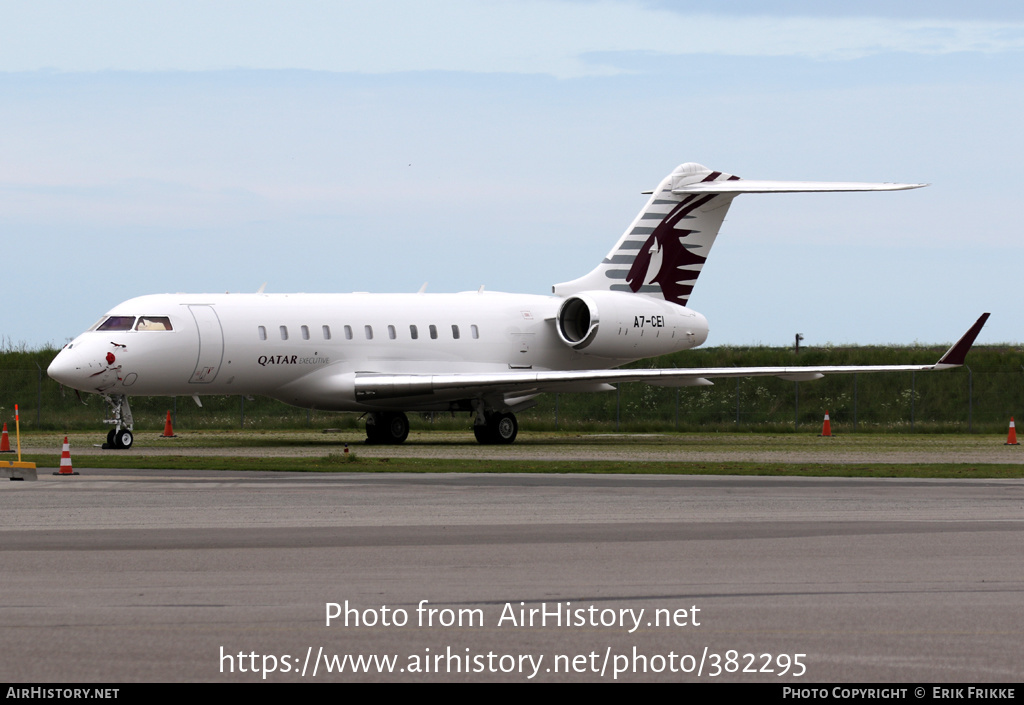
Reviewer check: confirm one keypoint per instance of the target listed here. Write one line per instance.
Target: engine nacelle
(627, 326)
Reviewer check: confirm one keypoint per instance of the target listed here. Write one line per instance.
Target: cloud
(550, 37)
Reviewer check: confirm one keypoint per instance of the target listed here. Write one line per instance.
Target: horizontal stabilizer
(662, 252)
(758, 186)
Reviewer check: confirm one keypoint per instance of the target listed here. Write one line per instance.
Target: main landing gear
(120, 436)
(392, 428)
(498, 428)
(387, 427)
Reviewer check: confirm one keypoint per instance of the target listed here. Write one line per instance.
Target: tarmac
(192, 576)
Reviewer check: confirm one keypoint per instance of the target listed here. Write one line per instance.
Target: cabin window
(117, 323)
(263, 332)
(284, 332)
(348, 332)
(327, 332)
(392, 333)
(368, 330)
(413, 332)
(474, 331)
(455, 331)
(305, 332)
(153, 323)
(433, 332)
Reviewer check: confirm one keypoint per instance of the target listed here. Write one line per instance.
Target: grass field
(849, 455)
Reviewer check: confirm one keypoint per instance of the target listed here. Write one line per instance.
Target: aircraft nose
(66, 368)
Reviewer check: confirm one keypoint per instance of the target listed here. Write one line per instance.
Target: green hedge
(981, 398)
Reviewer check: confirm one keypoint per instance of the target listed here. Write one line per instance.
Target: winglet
(956, 354)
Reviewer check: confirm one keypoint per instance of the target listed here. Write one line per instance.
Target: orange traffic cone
(826, 426)
(5, 442)
(65, 460)
(168, 430)
(1011, 437)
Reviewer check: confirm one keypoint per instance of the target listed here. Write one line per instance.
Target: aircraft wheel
(395, 427)
(374, 428)
(110, 438)
(123, 439)
(501, 429)
(504, 427)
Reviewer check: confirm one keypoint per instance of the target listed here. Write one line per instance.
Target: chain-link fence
(966, 400)
(981, 396)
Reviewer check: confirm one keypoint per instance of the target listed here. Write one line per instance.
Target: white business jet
(486, 353)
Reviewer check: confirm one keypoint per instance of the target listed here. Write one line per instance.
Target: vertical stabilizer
(663, 251)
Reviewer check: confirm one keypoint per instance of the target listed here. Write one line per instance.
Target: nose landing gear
(120, 437)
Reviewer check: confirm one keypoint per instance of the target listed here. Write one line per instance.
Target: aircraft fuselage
(306, 349)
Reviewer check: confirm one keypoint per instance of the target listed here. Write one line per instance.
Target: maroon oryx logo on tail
(676, 284)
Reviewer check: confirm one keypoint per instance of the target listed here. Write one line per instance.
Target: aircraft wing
(372, 386)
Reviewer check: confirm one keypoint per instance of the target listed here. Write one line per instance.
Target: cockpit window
(117, 323)
(154, 323)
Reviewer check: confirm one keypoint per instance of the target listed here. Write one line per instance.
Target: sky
(373, 146)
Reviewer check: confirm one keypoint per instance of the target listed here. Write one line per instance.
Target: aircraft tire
(374, 426)
(110, 438)
(483, 434)
(504, 427)
(395, 427)
(501, 429)
(387, 428)
(123, 439)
